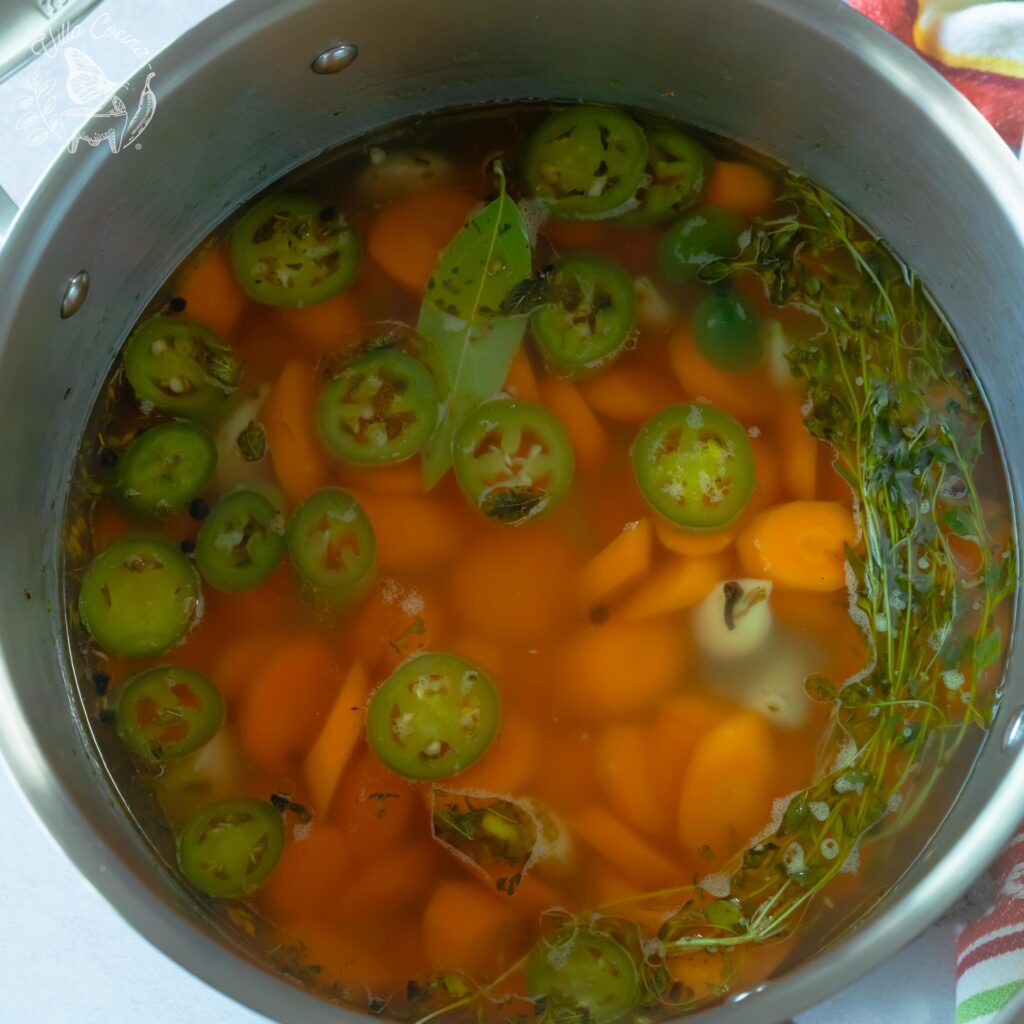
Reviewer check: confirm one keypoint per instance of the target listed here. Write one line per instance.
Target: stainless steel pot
(806, 81)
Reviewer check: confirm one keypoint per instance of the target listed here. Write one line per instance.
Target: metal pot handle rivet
(335, 59)
(1014, 731)
(74, 295)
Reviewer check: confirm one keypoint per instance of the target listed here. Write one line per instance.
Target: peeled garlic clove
(777, 691)
(232, 468)
(653, 310)
(735, 619)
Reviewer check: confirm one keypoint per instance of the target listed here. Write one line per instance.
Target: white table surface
(65, 955)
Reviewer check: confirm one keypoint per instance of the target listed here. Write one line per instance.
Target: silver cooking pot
(807, 82)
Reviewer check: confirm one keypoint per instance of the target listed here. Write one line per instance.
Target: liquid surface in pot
(531, 564)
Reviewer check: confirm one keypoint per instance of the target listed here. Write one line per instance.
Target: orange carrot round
(747, 396)
(309, 873)
(465, 928)
(326, 326)
(521, 592)
(300, 463)
(629, 394)
(686, 542)
(402, 548)
(286, 704)
(727, 793)
(588, 436)
(211, 293)
(801, 544)
(407, 237)
(618, 667)
(740, 187)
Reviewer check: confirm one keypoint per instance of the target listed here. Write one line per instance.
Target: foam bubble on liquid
(819, 809)
(793, 858)
(852, 863)
(779, 806)
(718, 885)
(829, 849)
(845, 756)
(952, 679)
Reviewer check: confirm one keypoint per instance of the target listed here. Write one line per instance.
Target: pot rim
(179, 938)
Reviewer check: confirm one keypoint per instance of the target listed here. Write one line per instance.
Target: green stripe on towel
(984, 1003)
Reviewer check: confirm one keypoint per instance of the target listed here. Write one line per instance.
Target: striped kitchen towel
(979, 46)
(990, 948)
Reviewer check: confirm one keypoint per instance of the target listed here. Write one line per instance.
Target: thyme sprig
(889, 392)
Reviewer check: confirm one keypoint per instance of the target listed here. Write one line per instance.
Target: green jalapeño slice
(331, 544)
(589, 316)
(381, 408)
(585, 161)
(678, 171)
(241, 542)
(694, 465)
(230, 848)
(700, 237)
(433, 716)
(513, 460)
(167, 712)
(139, 597)
(293, 250)
(166, 467)
(583, 975)
(180, 366)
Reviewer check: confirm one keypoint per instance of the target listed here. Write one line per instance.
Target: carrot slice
(616, 564)
(510, 762)
(373, 955)
(414, 534)
(684, 542)
(519, 592)
(633, 855)
(683, 722)
(747, 396)
(402, 478)
(800, 466)
(702, 973)
(391, 881)
(407, 237)
(800, 544)
(396, 621)
(588, 436)
(680, 584)
(241, 661)
(740, 187)
(329, 755)
(308, 874)
(288, 703)
(326, 326)
(465, 928)
(628, 394)
(618, 667)
(521, 382)
(211, 293)
(622, 760)
(727, 793)
(374, 806)
(300, 463)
